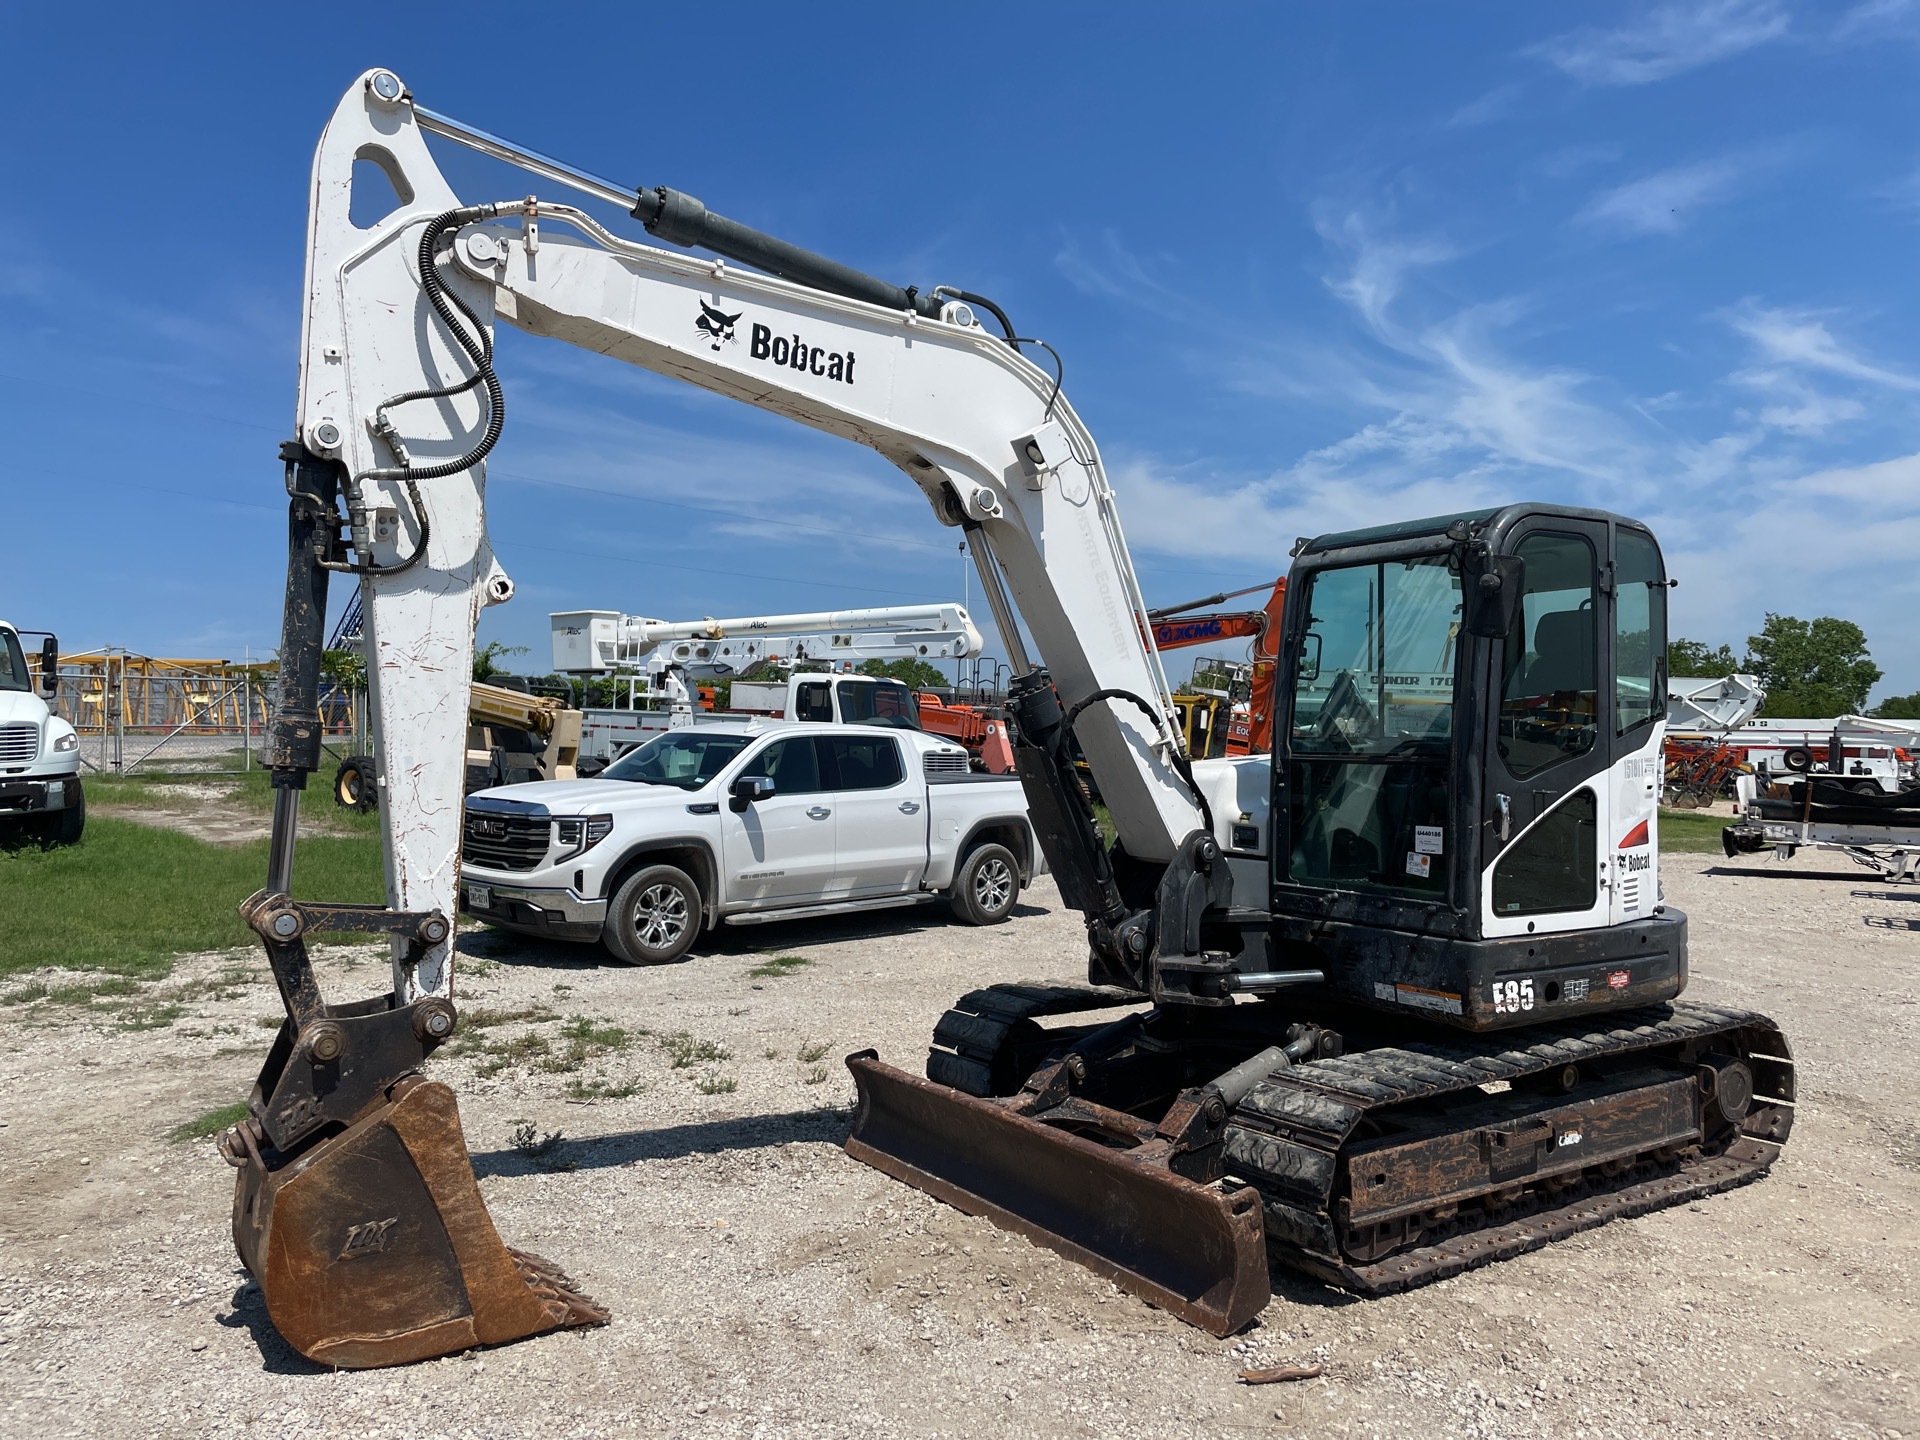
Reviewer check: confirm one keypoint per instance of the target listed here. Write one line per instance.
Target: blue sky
(1309, 266)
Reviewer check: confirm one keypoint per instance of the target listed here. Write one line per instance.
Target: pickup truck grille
(506, 842)
(19, 743)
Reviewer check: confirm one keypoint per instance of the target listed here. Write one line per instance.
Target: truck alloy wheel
(988, 884)
(654, 916)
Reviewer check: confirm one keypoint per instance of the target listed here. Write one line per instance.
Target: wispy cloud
(1670, 40)
(1490, 106)
(1665, 202)
(1800, 338)
(1109, 270)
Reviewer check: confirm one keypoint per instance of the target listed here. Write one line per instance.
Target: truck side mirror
(747, 789)
(49, 665)
(1490, 590)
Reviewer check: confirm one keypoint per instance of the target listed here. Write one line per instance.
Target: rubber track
(979, 1023)
(1285, 1137)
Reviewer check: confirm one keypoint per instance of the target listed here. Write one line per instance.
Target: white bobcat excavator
(1398, 1000)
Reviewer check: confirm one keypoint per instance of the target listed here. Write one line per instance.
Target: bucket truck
(1400, 1000)
(660, 656)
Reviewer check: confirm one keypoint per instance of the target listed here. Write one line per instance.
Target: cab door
(881, 816)
(1579, 686)
(1548, 745)
(781, 850)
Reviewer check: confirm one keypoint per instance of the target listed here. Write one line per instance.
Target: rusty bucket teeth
(375, 1248)
(1194, 1250)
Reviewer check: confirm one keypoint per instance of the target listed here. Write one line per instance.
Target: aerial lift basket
(1195, 1250)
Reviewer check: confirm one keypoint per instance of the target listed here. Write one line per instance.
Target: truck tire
(65, 827)
(654, 916)
(987, 886)
(1798, 759)
(354, 784)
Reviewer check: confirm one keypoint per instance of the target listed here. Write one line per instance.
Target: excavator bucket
(375, 1248)
(1194, 1250)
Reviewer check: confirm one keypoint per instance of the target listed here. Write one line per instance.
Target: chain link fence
(139, 715)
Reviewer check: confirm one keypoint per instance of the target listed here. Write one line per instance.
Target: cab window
(813, 701)
(866, 764)
(1551, 694)
(1640, 632)
(793, 764)
(1554, 866)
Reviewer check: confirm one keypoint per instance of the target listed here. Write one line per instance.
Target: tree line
(1815, 669)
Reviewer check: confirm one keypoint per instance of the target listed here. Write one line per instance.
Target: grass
(1691, 832)
(129, 897)
(811, 1051)
(684, 1052)
(211, 1123)
(713, 1083)
(779, 966)
(814, 1076)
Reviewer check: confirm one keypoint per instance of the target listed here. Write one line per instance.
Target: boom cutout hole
(379, 188)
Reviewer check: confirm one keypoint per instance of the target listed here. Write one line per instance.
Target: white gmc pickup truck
(744, 822)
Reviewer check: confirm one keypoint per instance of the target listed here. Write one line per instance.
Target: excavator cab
(1461, 838)
(1468, 761)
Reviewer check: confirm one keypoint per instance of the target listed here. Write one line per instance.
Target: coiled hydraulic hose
(479, 350)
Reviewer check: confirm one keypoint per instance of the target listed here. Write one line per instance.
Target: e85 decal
(1512, 996)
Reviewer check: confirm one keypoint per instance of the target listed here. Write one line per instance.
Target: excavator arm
(356, 1206)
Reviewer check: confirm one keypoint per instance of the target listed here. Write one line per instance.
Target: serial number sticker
(1619, 979)
(1425, 999)
(1429, 840)
(1574, 989)
(1512, 996)
(1419, 865)
(1569, 1137)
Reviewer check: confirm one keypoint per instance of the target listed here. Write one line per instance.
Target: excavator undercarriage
(1177, 1154)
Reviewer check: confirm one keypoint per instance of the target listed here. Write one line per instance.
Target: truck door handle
(818, 812)
(909, 807)
(1506, 816)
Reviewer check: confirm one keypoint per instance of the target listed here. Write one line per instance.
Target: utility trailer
(1879, 831)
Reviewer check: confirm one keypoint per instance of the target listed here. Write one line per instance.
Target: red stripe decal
(1635, 836)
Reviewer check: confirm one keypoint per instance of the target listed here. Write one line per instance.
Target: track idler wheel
(375, 1248)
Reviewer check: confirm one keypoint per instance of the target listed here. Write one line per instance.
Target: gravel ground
(763, 1284)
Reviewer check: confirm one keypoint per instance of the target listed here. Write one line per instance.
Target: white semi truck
(39, 753)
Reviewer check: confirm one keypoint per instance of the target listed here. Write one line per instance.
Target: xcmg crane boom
(1400, 998)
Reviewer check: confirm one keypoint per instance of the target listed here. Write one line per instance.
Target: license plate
(480, 897)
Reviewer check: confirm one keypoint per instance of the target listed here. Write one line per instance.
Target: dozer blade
(375, 1248)
(1194, 1250)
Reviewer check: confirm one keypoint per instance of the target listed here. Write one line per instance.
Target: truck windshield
(1384, 638)
(686, 759)
(13, 664)
(889, 703)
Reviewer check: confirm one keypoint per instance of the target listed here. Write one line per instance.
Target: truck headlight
(581, 835)
(66, 743)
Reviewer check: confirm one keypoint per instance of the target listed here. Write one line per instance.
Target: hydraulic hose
(452, 310)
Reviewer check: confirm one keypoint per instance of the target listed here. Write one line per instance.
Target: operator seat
(1563, 654)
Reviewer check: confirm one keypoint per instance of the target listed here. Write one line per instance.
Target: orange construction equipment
(1250, 733)
(983, 730)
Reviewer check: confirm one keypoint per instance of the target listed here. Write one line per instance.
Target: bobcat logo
(716, 325)
(368, 1239)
